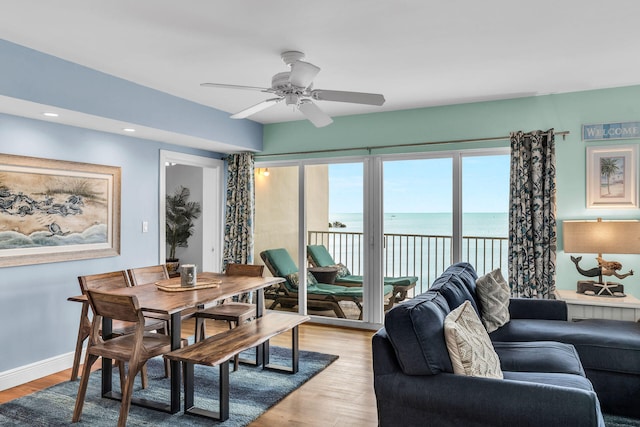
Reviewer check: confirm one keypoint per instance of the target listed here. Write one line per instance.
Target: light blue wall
(36, 320)
(564, 112)
(37, 77)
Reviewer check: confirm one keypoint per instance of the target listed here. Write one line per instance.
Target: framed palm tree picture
(612, 177)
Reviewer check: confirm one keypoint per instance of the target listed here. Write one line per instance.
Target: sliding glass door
(381, 216)
(485, 218)
(418, 218)
(319, 204)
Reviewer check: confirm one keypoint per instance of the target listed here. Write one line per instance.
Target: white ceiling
(417, 53)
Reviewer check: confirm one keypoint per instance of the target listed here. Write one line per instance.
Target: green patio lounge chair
(319, 256)
(320, 296)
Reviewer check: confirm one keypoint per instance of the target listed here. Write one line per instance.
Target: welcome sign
(627, 130)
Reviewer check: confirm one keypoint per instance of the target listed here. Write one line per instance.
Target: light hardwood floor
(341, 395)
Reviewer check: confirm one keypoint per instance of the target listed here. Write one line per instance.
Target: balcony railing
(424, 256)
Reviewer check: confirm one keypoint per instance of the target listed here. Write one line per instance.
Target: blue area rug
(618, 421)
(252, 391)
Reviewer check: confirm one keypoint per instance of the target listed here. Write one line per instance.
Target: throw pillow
(342, 270)
(311, 279)
(493, 293)
(469, 346)
(294, 279)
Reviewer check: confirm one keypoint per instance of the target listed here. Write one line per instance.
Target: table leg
(176, 375)
(107, 364)
(263, 349)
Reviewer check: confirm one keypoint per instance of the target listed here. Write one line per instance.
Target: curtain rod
(416, 144)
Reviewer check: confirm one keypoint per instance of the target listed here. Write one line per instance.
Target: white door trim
(212, 209)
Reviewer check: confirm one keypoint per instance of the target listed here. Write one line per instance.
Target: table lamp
(601, 237)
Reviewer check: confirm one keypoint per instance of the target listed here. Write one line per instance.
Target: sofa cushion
(458, 284)
(493, 293)
(469, 346)
(416, 331)
(539, 356)
(551, 378)
(606, 345)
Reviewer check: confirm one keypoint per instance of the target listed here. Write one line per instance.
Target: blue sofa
(543, 358)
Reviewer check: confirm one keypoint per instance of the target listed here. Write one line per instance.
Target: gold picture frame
(55, 210)
(612, 177)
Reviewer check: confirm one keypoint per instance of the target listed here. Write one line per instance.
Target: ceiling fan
(295, 88)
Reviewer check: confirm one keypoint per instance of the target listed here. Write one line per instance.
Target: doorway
(210, 174)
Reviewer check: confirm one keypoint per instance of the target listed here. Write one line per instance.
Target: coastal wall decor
(54, 210)
(612, 177)
(607, 131)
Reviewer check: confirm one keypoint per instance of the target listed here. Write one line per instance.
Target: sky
(425, 185)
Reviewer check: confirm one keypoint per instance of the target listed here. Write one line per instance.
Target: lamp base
(608, 289)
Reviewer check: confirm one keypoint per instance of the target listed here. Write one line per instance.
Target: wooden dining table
(154, 300)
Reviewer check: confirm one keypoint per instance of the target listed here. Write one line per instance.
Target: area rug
(618, 421)
(252, 392)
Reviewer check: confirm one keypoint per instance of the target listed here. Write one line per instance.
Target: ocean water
(419, 244)
(494, 224)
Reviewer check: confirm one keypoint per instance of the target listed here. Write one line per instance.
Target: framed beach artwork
(612, 177)
(53, 210)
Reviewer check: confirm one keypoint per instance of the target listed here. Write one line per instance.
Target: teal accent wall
(563, 112)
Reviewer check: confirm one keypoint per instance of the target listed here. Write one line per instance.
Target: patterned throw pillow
(469, 345)
(294, 279)
(311, 279)
(493, 293)
(342, 270)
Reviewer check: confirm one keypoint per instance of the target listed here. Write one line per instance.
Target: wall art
(54, 210)
(612, 177)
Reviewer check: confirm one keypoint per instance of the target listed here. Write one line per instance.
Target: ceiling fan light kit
(295, 88)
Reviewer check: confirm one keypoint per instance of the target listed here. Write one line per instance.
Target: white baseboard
(33, 371)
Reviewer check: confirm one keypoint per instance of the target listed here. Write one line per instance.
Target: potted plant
(179, 223)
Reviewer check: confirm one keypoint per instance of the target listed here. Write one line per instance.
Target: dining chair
(234, 313)
(106, 282)
(152, 274)
(134, 348)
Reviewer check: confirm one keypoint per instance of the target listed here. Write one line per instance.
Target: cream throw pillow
(469, 346)
(493, 293)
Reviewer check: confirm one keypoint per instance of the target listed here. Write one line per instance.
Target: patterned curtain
(532, 220)
(239, 212)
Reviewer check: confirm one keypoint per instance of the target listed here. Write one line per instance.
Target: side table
(324, 274)
(581, 306)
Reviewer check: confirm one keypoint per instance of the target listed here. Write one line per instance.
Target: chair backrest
(119, 307)
(319, 256)
(244, 270)
(150, 274)
(279, 262)
(104, 281)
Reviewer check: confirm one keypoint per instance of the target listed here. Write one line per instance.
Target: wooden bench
(218, 349)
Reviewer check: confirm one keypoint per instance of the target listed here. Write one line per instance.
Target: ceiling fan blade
(303, 73)
(256, 108)
(353, 97)
(226, 86)
(314, 114)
